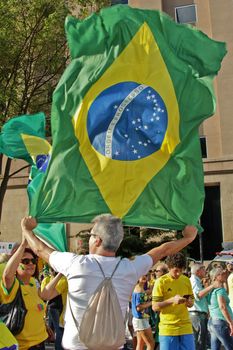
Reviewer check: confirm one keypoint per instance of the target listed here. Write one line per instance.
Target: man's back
(84, 276)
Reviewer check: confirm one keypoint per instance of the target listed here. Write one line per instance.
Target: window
(203, 146)
(186, 14)
(117, 2)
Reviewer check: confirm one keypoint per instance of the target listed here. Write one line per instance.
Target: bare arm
(143, 306)
(12, 265)
(205, 291)
(223, 308)
(40, 248)
(49, 292)
(177, 299)
(173, 247)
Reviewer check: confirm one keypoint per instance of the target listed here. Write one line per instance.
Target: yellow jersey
(174, 319)
(34, 330)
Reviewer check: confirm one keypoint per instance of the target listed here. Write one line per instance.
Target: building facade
(214, 18)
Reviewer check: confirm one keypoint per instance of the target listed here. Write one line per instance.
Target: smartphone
(186, 296)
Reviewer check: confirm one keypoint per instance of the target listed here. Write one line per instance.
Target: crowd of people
(167, 307)
(193, 308)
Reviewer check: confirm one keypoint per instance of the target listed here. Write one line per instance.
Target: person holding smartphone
(172, 295)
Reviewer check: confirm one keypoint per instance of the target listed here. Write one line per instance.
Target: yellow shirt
(45, 281)
(2, 267)
(34, 330)
(62, 289)
(174, 319)
(151, 282)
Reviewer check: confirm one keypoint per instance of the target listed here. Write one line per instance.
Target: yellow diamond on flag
(128, 123)
(36, 145)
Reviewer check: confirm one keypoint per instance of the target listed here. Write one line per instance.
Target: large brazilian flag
(125, 120)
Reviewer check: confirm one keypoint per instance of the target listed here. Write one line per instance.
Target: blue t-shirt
(215, 311)
(137, 299)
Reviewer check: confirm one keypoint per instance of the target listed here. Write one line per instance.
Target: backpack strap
(103, 271)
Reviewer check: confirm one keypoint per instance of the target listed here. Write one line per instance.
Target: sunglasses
(158, 270)
(27, 261)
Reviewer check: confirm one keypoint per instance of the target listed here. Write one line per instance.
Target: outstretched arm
(40, 248)
(173, 247)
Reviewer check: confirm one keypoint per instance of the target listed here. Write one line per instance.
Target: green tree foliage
(86, 7)
(33, 52)
(139, 240)
(33, 55)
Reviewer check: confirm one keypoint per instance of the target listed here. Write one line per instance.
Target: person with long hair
(141, 324)
(221, 316)
(19, 273)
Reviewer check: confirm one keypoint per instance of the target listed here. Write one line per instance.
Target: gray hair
(215, 272)
(109, 228)
(195, 267)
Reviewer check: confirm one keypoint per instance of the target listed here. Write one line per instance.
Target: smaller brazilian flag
(23, 137)
(125, 118)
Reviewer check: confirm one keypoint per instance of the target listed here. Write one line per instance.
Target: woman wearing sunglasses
(19, 273)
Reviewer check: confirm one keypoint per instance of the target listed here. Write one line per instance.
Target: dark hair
(177, 260)
(28, 250)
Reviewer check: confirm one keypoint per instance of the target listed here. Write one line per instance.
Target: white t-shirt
(83, 275)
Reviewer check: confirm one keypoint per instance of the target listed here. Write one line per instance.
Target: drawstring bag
(102, 326)
(13, 314)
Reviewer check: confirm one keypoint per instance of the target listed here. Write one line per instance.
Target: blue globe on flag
(127, 121)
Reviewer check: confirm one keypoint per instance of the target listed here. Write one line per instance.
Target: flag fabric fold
(52, 233)
(125, 118)
(23, 137)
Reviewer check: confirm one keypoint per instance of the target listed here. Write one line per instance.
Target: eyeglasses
(91, 233)
(85, 233)
(27, 261)
(158, 271)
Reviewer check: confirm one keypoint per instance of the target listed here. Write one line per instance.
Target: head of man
(176, 264)
(198, 270)
(106, 234)
(161, 269)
